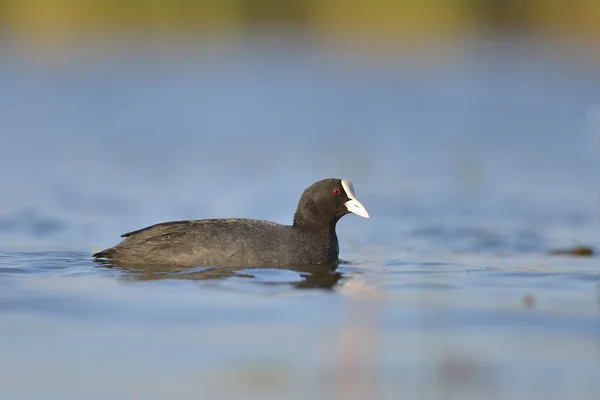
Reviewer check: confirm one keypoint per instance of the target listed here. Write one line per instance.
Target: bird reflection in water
(323, 276)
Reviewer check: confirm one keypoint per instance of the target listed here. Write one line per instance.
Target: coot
(240, 242)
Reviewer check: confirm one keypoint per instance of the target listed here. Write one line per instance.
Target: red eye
(336, 191)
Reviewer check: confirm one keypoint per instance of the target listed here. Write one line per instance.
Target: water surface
(472, 169)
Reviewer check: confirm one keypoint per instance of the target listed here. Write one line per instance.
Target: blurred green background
(66, 19)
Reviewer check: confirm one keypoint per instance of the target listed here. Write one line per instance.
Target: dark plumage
(247, 242)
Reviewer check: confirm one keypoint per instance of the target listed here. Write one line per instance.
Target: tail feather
(105, 253)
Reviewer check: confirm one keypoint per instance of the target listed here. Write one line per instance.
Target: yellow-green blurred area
(43, 19)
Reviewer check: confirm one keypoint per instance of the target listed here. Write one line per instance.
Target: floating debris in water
(528, 301)
(579, 251)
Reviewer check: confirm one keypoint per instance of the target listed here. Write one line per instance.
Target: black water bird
(311, 239)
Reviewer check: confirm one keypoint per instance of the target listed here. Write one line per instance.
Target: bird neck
(307, 219)
(321, 228)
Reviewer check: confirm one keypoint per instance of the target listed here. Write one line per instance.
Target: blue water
(474, 162)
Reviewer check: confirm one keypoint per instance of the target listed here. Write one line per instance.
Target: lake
(475, 161)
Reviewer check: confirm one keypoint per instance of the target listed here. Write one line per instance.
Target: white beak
(353, 205)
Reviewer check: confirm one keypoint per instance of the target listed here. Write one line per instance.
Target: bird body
(238, 242)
